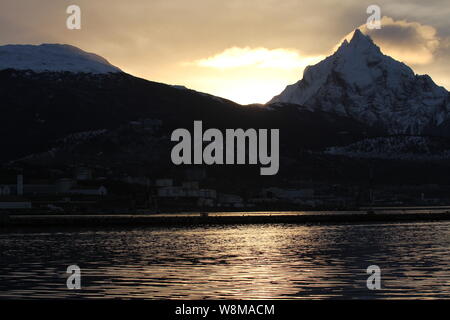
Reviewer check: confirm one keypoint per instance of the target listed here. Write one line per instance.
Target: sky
(243, 50)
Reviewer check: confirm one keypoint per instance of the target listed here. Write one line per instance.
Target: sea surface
(266, 261)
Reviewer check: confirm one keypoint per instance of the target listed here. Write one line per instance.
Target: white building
(182, 192)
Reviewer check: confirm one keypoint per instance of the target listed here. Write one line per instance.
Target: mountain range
(63, 106)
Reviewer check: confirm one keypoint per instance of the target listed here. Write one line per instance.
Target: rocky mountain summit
(360, 82)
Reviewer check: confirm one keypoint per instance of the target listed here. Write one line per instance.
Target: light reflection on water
(233, 262)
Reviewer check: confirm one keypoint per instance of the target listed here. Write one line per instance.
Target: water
(249, 261)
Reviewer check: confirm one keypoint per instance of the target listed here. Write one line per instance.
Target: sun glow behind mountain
(255, 74)
(251, 75)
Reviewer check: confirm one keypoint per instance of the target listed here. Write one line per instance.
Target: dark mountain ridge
(55, 119)
(38, 109)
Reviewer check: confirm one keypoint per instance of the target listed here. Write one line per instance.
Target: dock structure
(85, 220)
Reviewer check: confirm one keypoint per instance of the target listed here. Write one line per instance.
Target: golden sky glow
(259, 57)
(252, 75)
(243, 50)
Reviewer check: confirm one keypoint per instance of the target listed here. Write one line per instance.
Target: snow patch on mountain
(73, 139)
(396, 147)
(359, 81)
(53, 57)
(80, 137)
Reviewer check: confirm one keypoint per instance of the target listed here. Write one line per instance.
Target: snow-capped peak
(359, 81)
(361, 41)
(54, 58)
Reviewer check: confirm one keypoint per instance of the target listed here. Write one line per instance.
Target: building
(61, 186)
(83, 174)
(164, 183)
(89, 191)
(230, 200)
(188, 194)
(193, 185)
(171, 192)
(5, 190)
(15, 205)
(12, 189)
(142, 181)
(288, 194)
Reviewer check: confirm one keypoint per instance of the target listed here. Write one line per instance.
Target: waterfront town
(82, 190)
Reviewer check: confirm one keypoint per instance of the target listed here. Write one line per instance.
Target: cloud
(237, 57)
(410, 42)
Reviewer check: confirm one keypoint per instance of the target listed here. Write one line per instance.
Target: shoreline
(205, 219)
